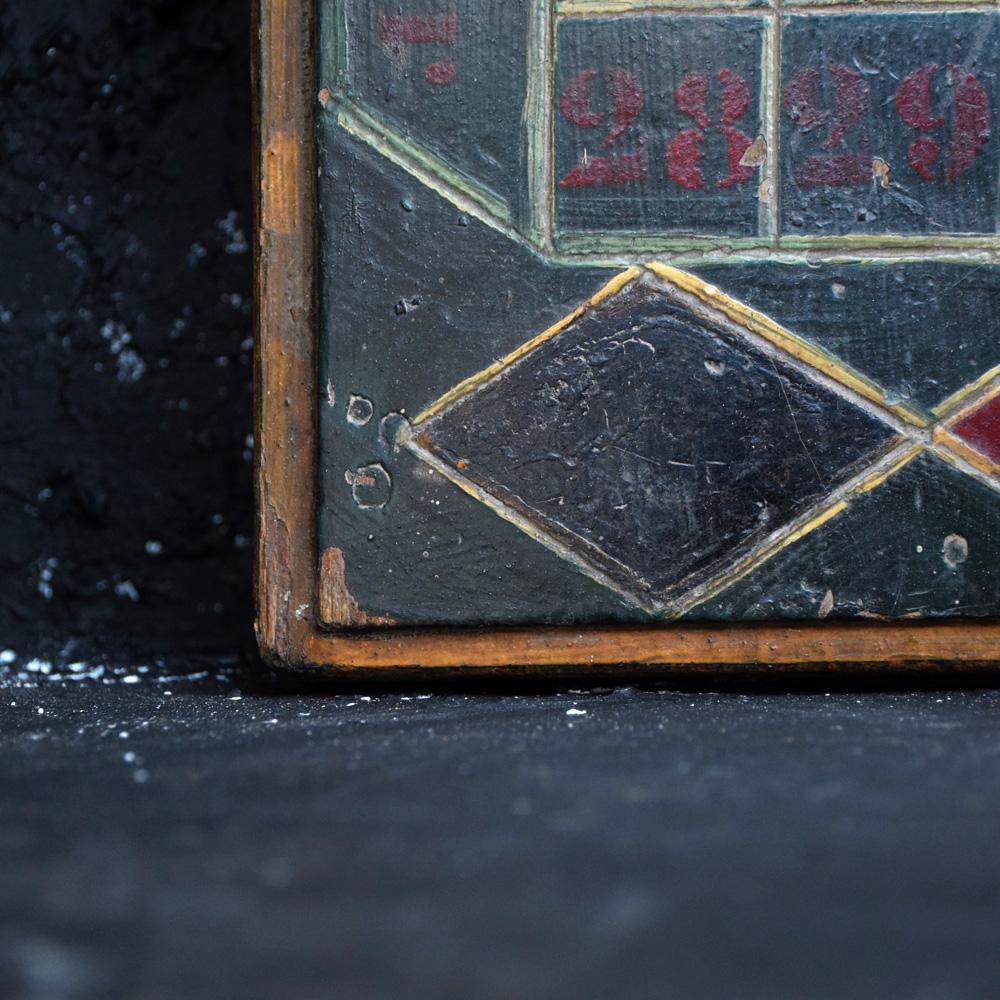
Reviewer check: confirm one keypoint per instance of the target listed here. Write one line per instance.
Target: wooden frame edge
(285, 257)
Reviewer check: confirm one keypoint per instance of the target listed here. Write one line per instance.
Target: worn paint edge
(337, 605)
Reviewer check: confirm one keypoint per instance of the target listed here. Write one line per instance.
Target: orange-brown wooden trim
(285, 255)
(285, 463)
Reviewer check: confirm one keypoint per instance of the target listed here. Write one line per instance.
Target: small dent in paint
(359, 410)
(954, 551)
(392, 427)
(371, 486)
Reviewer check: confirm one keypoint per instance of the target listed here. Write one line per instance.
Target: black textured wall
(125, 325)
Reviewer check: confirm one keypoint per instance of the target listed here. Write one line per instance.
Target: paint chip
(826, 605)
(755, 154)
(880, 171)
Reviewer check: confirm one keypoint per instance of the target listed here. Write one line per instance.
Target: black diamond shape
(654, 444)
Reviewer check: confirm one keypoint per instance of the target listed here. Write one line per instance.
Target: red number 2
(577, 105)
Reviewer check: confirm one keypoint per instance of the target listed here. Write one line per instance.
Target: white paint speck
(236, 240)
(576, 711)
(7, 657)
(127, 589)
(153, 547)
(129, 757)
(130, 679)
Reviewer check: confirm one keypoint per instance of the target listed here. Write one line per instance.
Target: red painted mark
(440, 74)
(690, 97)
(683, 155)
(981, 429)
(972, 121)
(851, 103)
(913, 99)
(417, 29)
(626, 102)
(970, 127)
(840, 170)
(735, 96)
(605, 170)
(736, 145)
(799, 100)
(921, 156)
(576, 102)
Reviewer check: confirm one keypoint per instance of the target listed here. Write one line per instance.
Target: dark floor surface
(221, 836)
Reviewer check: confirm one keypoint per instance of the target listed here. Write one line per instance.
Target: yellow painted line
(785, 340)
(878, 477)
(753, 560)
(947, 444)
(615, 285)
(896, 458)
(952, 406)
(429, 169)
(530, 528)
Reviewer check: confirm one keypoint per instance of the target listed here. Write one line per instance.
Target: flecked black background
(125, 325)
(220, 836)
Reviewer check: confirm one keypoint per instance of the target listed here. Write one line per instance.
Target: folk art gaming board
(600, 332)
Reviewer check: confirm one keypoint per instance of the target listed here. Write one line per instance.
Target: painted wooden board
(600, 332)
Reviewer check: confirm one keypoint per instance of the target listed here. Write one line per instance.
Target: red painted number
(970, 121)
(577, 105)
(397, 30)
(840, 124)
(683, 156)
(851, 101)
(850, 165)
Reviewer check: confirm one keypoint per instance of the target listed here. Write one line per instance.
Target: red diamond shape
(981, 428)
